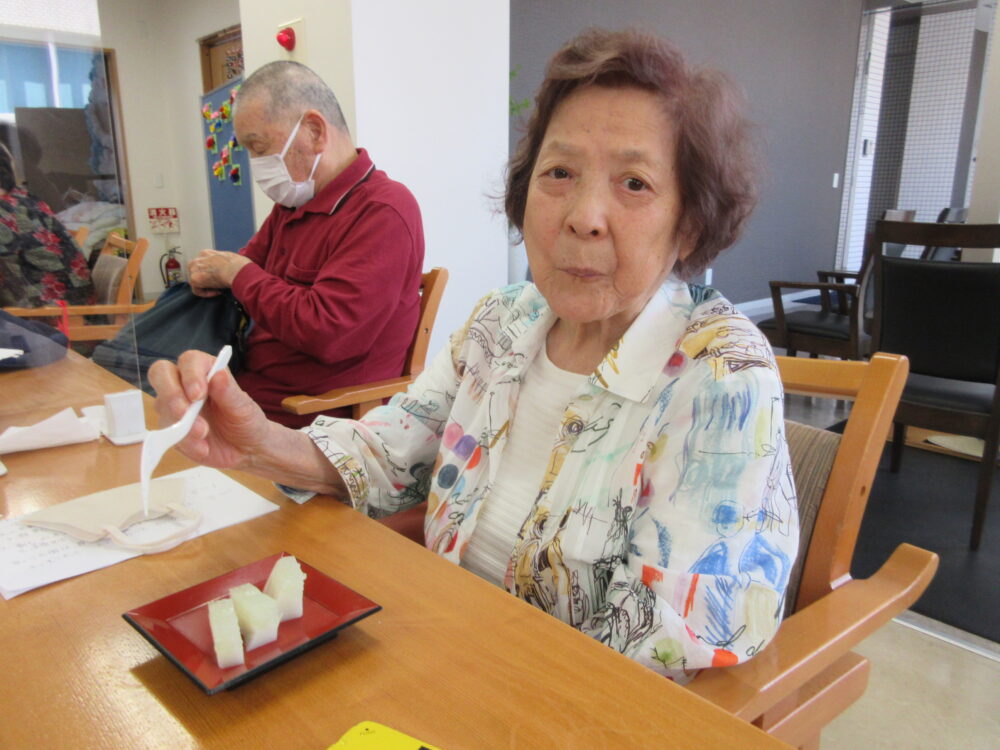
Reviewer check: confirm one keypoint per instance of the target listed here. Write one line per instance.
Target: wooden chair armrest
(816, 285)
(849, 292)
(838, 277)
(817, 636)
(346, 396)
(74, 310)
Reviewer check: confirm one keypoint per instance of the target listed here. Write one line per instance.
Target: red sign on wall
(163, 220)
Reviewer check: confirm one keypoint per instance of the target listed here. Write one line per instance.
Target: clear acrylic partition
(60, 123)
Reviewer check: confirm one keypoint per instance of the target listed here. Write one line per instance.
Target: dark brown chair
(944, 316)
(365, 396)
(948, 215)
(841, 327)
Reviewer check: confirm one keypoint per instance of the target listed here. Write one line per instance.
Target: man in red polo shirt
(332, 277)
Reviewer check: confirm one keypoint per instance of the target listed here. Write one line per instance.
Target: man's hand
(214, 270)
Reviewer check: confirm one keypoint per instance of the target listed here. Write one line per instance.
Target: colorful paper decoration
(221, 139)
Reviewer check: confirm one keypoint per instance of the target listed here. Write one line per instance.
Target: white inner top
(542, 400)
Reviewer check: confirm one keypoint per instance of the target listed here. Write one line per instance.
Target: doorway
(913, 122)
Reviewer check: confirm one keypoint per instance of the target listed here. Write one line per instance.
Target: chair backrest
(116, 281)
(949, 215)
(833, 473)
(944, 316)
(431, 289)
(865, 272)
(898, 214)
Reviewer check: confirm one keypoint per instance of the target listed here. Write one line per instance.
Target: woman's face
(601, 223)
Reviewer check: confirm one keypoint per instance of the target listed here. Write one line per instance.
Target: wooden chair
(842, 325)
(944, 316)
(808, 675)
(363, 397)
(115, 276)
(948, 215)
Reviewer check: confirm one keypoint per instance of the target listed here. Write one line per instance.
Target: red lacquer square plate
(177, 625)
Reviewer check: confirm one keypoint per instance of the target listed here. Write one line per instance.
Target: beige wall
(159, 69)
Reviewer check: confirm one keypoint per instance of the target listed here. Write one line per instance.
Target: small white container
(123, 414)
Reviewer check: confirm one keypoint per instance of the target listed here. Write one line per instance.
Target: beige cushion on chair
(107, 277)
(812, 452)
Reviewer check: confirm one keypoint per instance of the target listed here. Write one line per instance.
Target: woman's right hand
(231, 428)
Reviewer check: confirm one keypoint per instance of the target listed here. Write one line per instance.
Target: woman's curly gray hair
(716, 159)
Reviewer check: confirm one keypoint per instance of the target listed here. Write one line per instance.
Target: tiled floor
(932, 687)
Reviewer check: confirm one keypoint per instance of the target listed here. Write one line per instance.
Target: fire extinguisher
(170, 267)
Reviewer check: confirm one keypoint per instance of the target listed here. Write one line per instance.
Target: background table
(450, 659)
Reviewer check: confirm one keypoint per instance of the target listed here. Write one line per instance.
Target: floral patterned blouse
(39, 262)
(666, 523)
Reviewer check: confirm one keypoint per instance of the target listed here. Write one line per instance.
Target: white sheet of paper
(8, 353)
(31, 557)
(63, 428)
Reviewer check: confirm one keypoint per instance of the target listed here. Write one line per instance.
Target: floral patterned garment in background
(666, 523)
(39, 262)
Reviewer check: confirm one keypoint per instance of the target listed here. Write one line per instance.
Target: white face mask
(271, 174)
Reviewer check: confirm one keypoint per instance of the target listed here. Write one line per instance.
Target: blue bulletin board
(228, 168)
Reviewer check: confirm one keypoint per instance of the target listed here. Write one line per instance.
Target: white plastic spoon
(158, 442)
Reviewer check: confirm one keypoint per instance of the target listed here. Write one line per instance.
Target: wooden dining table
(450, 659)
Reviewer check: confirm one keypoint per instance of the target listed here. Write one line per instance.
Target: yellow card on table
(369, 735)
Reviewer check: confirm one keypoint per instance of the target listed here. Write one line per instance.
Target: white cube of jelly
(225, 633)
(286, 585)
(257, 613)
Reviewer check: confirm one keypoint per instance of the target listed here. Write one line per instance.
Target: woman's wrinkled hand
(231, 428)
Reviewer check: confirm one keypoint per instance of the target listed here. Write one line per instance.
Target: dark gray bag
(41, 344)
(179, 321)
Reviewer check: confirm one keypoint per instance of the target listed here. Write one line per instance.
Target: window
(56, 105)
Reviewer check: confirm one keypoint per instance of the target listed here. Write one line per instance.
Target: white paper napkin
(63, 428)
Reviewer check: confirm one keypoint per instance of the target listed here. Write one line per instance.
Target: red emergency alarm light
(286, 38)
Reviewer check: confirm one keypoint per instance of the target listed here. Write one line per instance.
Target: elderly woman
(607, 442)
(39, 262)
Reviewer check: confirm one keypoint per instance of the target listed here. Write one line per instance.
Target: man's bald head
(286, 89)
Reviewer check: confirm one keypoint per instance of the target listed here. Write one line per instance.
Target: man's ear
(318, 129)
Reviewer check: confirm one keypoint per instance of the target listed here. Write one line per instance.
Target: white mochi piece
(286, 585)
(257, 613)
(225, 633)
